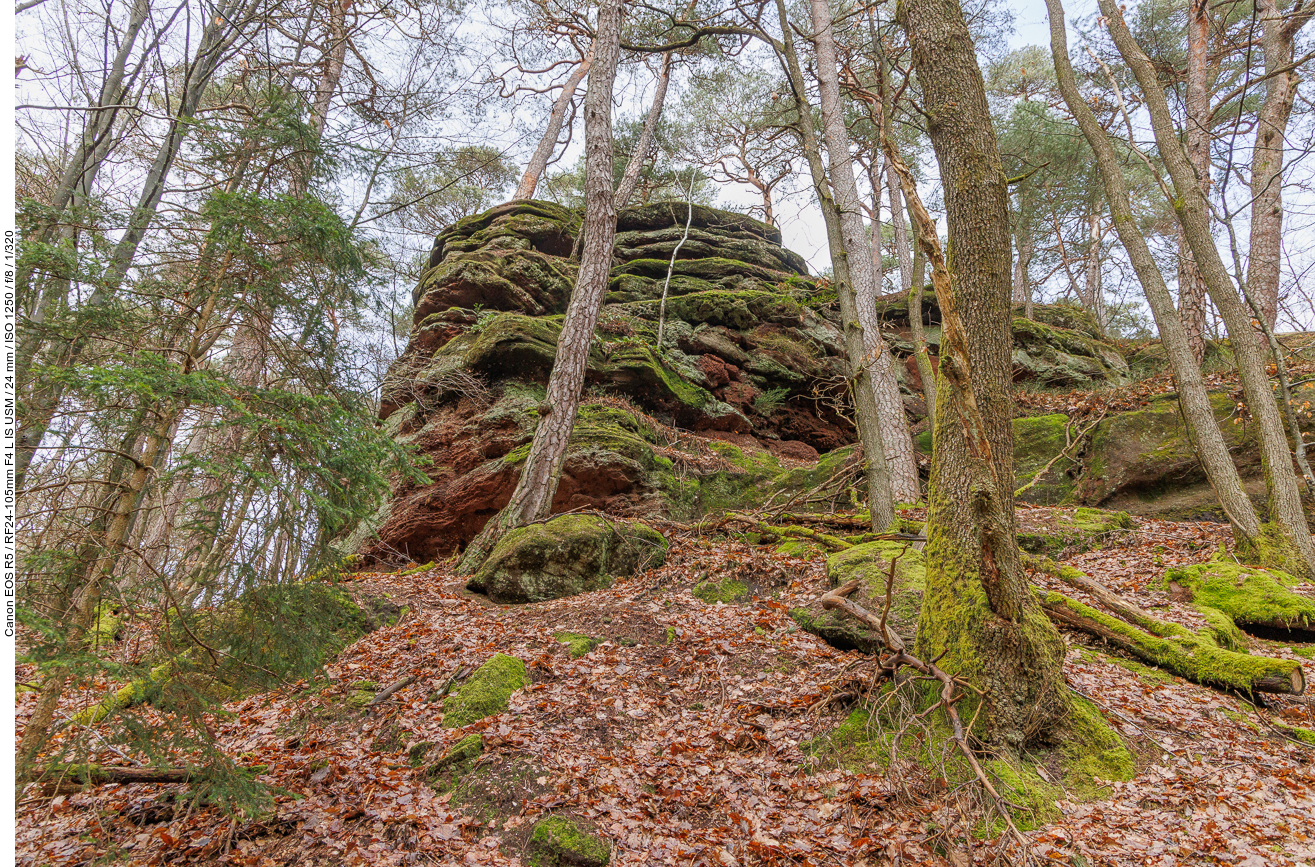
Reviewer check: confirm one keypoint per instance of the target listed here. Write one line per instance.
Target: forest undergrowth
(692, 733)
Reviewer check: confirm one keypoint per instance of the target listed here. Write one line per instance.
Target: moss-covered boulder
(724, 591)
(1060, 357)
(560, 842)
(1037, 441)
(485, 693)
(1146, 453)
(565, 556)
(1251, 598)
(870, 563)
(1049, 532)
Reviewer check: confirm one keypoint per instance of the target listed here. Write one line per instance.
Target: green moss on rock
(870, 564)
(564, 556)
(485, 693)
(560, 842)
(1083, 529)
(444, 772)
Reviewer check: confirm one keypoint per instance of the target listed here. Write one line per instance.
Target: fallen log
(68, 779)
(1179, 651)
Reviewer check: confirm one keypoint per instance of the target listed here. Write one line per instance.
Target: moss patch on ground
(578, 645)
(726, 591)
(485, 693)
(560, 841)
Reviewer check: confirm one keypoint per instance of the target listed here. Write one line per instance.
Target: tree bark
(880, 363)
(630, 179)
(547, 144)
(1278, 35)
(1289, 542)
(1206, 438)
(1191, 285)
(533, 496)
(881, 503)
(1022, 265)
(220, 33)
(920, 354)
(977, 608)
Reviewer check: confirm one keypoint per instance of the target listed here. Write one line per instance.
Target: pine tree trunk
(977, 609)
(1191, 285)
(880, 363)
(881, 503)
(1202, 430)
(1289, 541)
(904, 253)
(630, 179)
(547, 144)
(1265, 250)
(533, 496)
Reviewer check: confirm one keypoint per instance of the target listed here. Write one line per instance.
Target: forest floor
(690, 736)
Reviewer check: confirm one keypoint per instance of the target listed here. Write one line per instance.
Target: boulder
(870, 563)
(1045, 531)
(565, 556)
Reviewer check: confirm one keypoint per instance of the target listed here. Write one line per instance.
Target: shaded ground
(681, 738)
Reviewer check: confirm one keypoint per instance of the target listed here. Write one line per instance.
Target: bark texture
(1289, 537)
(1198, 415)
(1196, 138)
(881, 503)
(543, 467)
(878, 360)
(977, 608)
(543, 153)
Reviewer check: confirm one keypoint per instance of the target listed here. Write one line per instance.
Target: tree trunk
(881, 503)
(630, 179)
(533, 496)
(1095, 291)
(977, 609)
(904, 253)
(1206, 439)
(220, 33)
(1191, 286)
(1277, 39)
(1288, 544)
(920, 353)
(1022, 266)
(547, 144)
(881, 365)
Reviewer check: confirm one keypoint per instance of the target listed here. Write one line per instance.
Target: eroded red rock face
(746, 357)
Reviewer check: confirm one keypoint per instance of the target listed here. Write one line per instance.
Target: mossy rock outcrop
(744, 356)
(1254, 599)
(870, 563)
(565, 556)
(485, 693)
(446, 769)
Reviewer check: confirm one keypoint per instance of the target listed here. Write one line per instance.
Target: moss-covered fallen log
(1181, 651)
